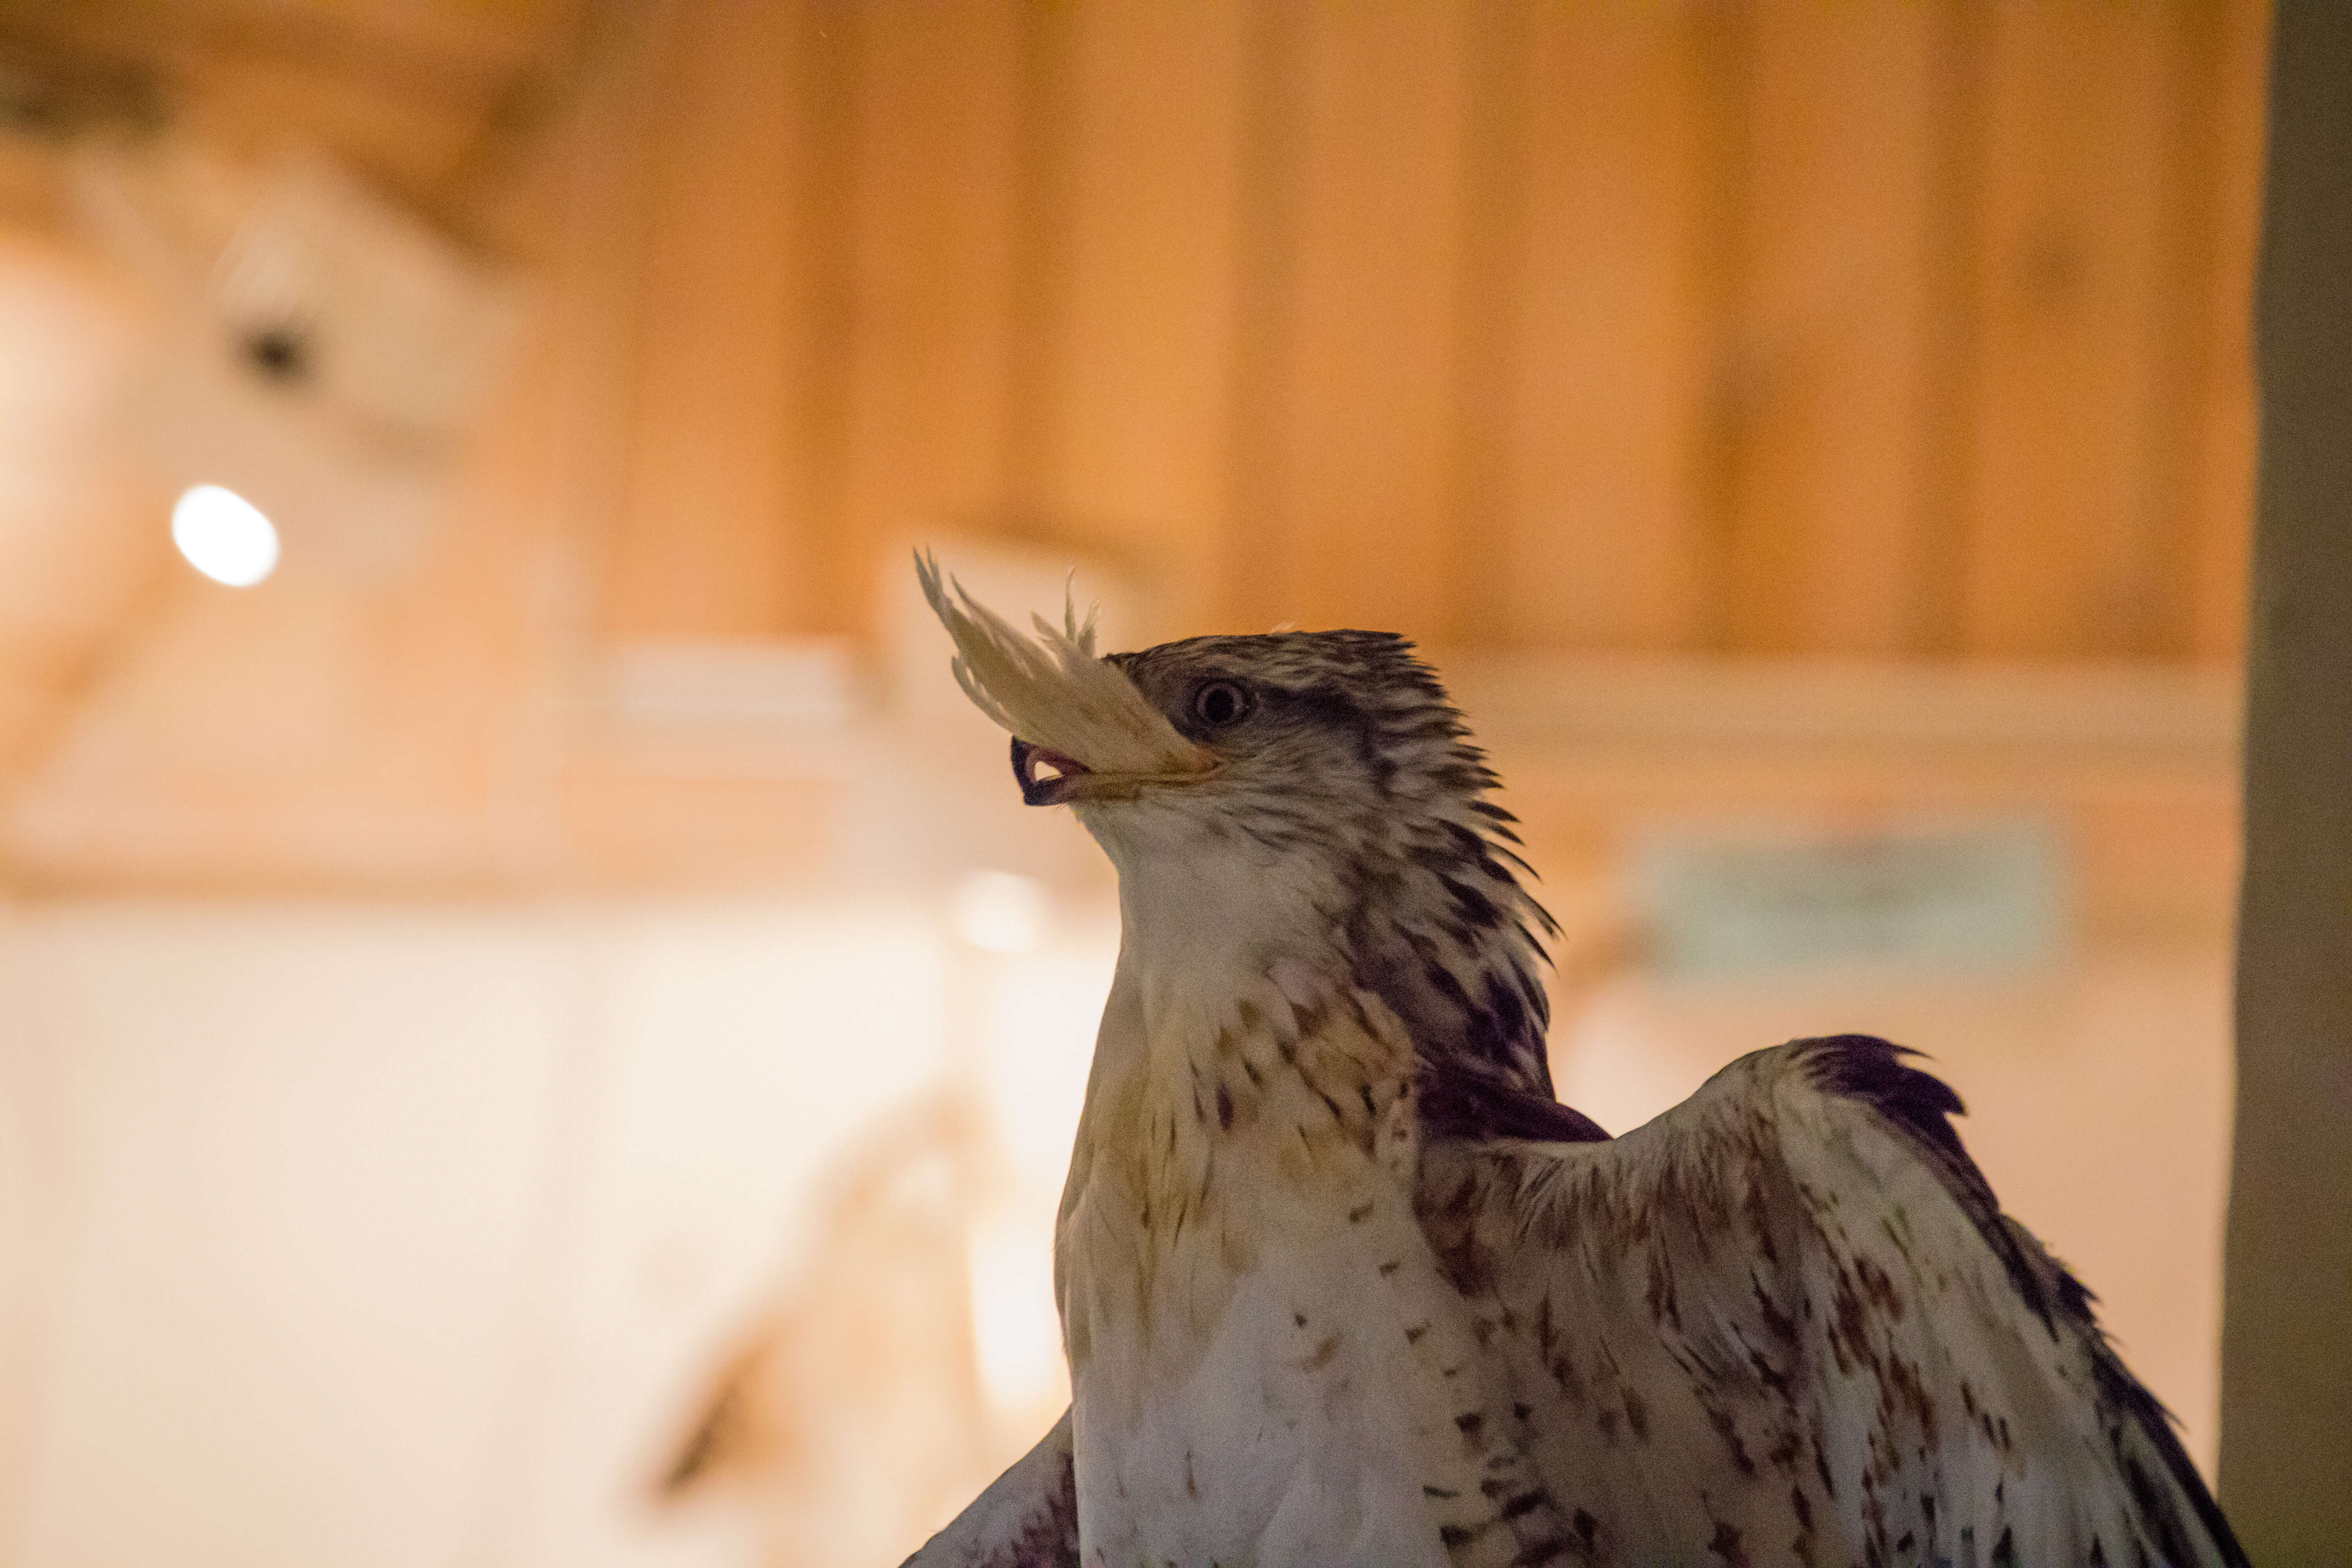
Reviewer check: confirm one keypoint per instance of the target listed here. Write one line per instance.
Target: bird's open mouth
(1047, 777)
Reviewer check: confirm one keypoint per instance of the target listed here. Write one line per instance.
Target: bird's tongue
(1043, 772)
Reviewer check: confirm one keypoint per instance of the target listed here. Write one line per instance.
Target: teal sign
(1972, 896)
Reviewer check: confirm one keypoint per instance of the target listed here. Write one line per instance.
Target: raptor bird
(1342, 1283)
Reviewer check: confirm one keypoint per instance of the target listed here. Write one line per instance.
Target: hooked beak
(1048, 778)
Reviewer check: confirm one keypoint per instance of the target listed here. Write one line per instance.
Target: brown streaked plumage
(1341, 1282)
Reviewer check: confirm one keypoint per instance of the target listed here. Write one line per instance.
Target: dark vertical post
(2287, 1361)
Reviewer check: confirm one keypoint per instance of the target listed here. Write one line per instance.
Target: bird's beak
(1081, 731)
(1048, 778)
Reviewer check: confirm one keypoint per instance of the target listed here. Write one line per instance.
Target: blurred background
(533, 1026)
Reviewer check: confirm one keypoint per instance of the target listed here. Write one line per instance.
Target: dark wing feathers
(1460, 1099)
(1862, 1067)
(1865, 1069)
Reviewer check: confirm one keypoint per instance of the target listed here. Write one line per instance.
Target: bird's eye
(1220, 703)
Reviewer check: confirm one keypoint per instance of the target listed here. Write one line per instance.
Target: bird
(1342, 1282)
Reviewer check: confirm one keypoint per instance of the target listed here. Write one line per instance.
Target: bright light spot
(224, 536)
(1016, 1330)
(999, 913)
(1041, 1016)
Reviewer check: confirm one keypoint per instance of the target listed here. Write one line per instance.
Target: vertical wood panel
(1044, 112)
(932, 212)
(830, 597)
(580, 210)
(1604, 521)
(2187, 475)
(1493, 257)
(705, 535)
(2233, 53)
(1364, 512)
(2063, 532)
(1139, 407)
(1957, 216)
(1265, 232)
(1536, 324)
(1838, 322)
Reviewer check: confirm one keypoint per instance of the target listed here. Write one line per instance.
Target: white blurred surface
(407, 1235)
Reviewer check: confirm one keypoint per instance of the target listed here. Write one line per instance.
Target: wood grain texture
(2065, 530)
(1882, 329)
(932, 214)
(1493, 270)
(1837, 330)
(1877, 329)
(1142, 364)
(705, 544)
(1361, 518)
(1604, 531)
(2230, 61)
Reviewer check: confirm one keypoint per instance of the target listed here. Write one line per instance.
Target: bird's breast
(1268, 1363)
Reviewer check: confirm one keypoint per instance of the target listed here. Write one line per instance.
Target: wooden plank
(932, 211)
(1603, 516)
(2201, 440)
(1138, 398)
(1259, 405)
(252, 105)
(1040, 270)
(1837, 324)
(2066, 519)
(1493, 257)
(1358, 520)
(703, 539)
(826, 599)
(2232, 60)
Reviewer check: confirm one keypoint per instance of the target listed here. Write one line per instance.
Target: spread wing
(1787, 1322)
(1028, 1518)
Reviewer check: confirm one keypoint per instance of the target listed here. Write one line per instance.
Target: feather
(1027, 1519)
(1054, 691)
(1789, 1310)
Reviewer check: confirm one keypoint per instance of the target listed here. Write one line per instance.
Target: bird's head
(1301, 797)
(1340, 742)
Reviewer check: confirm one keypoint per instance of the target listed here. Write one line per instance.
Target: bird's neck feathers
(1245, 1098)
(1205, 916)
(1423, 914)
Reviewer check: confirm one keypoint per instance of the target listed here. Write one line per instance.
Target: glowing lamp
(224, 536)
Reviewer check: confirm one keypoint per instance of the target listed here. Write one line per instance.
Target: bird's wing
(1788, 1322)
(1028, 1517)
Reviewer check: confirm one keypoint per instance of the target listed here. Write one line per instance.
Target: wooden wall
(1883, 329)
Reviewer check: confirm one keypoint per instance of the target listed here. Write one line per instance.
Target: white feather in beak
(1052, 691)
